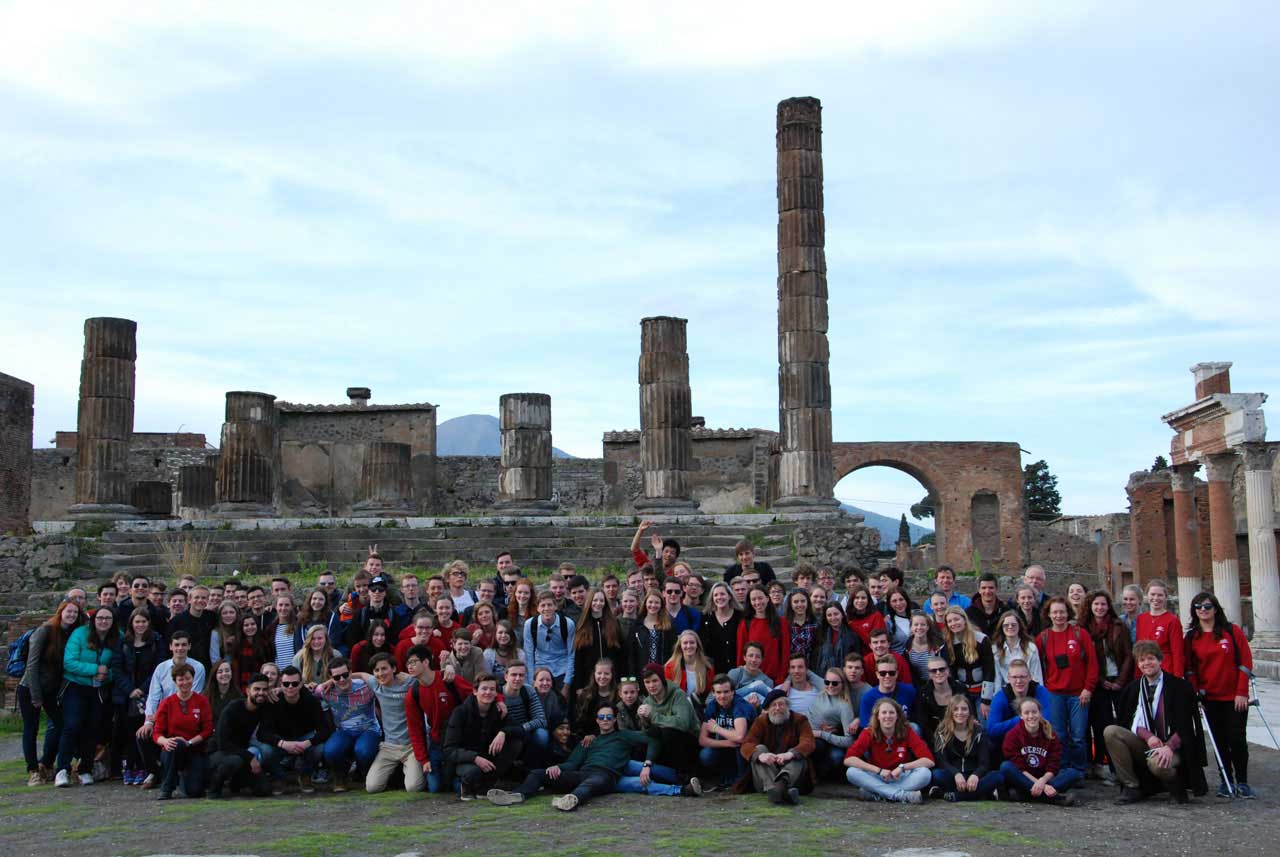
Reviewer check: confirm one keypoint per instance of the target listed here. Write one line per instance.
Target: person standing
(38, 689)
(86, 668)
(1070, 675)
(1217, 658)
(1161, 626)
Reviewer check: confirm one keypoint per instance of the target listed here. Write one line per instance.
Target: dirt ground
(110, 819)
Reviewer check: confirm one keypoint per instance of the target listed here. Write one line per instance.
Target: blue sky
(1038, 215)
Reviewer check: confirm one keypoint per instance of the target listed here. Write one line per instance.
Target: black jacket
(235, 729)
(954, 759)
(303, 719)
(469, 734)
(720, 642)
(584, 659)
(1179, 701)
(638, 647)
(200, 630)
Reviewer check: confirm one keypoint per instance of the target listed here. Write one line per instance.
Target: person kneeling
(183, 726)
(1034, 770)
(778, 746)
(889, 761)
(1158, 744)
(591, 770)
(478, 746)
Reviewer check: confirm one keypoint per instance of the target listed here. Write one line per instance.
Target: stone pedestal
(1264, 581)
(524, 471)
(104, 423)
(1222, 534)
(806, 475)
(246, 461)
(386, 481)
(197, 490)
(666, 418)
(1186, 535)
(153, 499)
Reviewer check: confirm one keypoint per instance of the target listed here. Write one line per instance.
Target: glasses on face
(1205, 606)
(829, 683)
(886, 672)
(605, 717)
(340, 676)
(934, 670)
(291, 684)
(627, 678)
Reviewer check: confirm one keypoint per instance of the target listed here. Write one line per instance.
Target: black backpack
(564, 633)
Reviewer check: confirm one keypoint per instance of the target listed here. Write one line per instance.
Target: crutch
(1253, 700)
(1222, 769)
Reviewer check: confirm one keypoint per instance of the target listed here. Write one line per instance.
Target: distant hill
(887, 526)
(475, 434)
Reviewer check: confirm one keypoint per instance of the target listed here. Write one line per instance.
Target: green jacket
(611, 752)
(80, 663)
(674, 712)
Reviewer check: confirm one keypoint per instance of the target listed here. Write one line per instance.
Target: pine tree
(1161, 463)
(1040, 487)
(904, 531)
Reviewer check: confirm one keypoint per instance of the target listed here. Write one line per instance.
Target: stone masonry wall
(469, 483)
(730, 469)
(53, 474)
(17, 413)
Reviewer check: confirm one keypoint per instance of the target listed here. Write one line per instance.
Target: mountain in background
(887, 526)
(475, 434)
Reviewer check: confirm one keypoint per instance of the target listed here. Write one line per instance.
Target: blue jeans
(914, 780)
(276, 761)
(1070, 720)
(661, 779)
(340, 746)
(987, 783)
(82, 709)
(436, 754)
(725, 761)
(191, 765)
(31, 728)
(1015, 779)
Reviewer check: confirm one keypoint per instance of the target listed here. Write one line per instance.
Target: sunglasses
(886, 672)
(340, 676)
(1205, 606)
(933, 670)
(291, 684)
(628, 678)
(830, 683)
(605, 717)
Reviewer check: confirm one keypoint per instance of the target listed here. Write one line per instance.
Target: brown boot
(339, 782)
(305, 785)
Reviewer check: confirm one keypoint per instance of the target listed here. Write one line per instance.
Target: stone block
(106, 418)
(106, 377)
(666, 449)
(248, 406)
(666, 483)
(658, 366)
(801, 192)
(802, 314)
(111, 337)
(801, 227)
(664, 333)
(526, 447)
(525, 411)
(800, 259)
(806, 429)
(525, 483)
(802, 284)
(803, 346)
(665, 405)
(800, 163)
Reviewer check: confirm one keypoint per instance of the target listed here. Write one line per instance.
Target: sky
(1039, 215)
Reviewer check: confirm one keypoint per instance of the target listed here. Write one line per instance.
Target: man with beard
(778, 746)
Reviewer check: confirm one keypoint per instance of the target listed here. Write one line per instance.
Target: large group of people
(658, 682)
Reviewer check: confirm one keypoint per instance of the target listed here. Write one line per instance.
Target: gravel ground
(108, 818)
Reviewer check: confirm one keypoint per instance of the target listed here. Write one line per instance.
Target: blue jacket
(905, 695)
(553, 649)
(80, 663)
(1001, 718)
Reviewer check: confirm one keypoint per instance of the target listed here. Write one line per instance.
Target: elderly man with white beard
(778, 747)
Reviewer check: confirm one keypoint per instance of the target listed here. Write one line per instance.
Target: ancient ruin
(105, 420)
(524, 475)
(666, 417)
(17, 412)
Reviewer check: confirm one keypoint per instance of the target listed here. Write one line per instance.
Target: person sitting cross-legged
(592, 769)
(1155, 740)
(1034, 768)
(778, 746)
(888, 760)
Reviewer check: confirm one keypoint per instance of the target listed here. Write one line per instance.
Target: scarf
(1148, 706)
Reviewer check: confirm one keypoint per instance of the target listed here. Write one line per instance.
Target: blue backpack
(16, 665)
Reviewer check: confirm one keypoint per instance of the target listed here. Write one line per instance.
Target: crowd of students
(664, 683)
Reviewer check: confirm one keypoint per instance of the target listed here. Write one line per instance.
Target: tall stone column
(386, 481)
(104, 424)
(246, 460)
(806, 474)
(666, 417)
(1222, 534)
(1264, 581)
(1186, 535)
(524, 471)
(197, 490)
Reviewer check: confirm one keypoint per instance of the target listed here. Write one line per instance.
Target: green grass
(10, 724)
(996, 836)
(79, 833)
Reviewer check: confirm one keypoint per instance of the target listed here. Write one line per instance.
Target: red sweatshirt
(1212, 664)
(1082, 661)
(402, 651)
(864, 626)
(1032, 754)
(890, 753)
(1166, 631)
(173, 722)
(432, 704)
(869, 669)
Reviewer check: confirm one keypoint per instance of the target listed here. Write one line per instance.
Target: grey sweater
(35, 678)
(834, 712)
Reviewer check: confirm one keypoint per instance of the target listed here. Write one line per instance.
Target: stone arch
(957, 473)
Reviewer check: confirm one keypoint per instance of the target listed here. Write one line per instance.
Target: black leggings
(1102, 713)
(1228, 727)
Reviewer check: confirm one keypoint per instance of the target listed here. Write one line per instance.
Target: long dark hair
(129, 636)
(585, 635)
(97, 642)
(770, 612)
(1221, 625)
(823, 624)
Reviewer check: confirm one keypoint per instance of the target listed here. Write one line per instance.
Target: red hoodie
(865, 625)
(432, 704)
(173, 722)
(1213, 664)
(777, 650)
(890, 753)
(1032, 754)
(1166, 632)
(1081, 672)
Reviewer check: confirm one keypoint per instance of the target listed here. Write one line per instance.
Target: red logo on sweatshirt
(1072, 645)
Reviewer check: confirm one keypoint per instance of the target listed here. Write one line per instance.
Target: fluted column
(386, 481)
(524, 471)
(1186, 535)
(666, 417)
(806, 474)
(1264, 581)
(1222, 534)
(197, 490)
(153, 498)
(104, 423)
(246, 461)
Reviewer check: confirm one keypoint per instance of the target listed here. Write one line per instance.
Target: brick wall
(17, 414)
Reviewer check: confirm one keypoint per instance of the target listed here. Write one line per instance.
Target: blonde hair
(1045, 726)
(700, 665)
(947, 728)
(308, 663)
(967, 638)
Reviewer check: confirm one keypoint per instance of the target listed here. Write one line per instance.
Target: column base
(527, 508)
(102, 512)
(667, 506)
(802, 503)
(383, 510)
(1265, 640)
(243, 510)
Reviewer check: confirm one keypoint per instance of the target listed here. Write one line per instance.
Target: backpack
(16, 664)
(564, 632)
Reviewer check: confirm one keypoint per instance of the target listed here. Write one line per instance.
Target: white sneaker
(86, 779)
(565, 803)
(62, 780)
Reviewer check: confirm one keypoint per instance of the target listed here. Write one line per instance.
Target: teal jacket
(80, 663)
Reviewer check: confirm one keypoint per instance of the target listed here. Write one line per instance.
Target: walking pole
(1222, 769)
(1253, 700)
